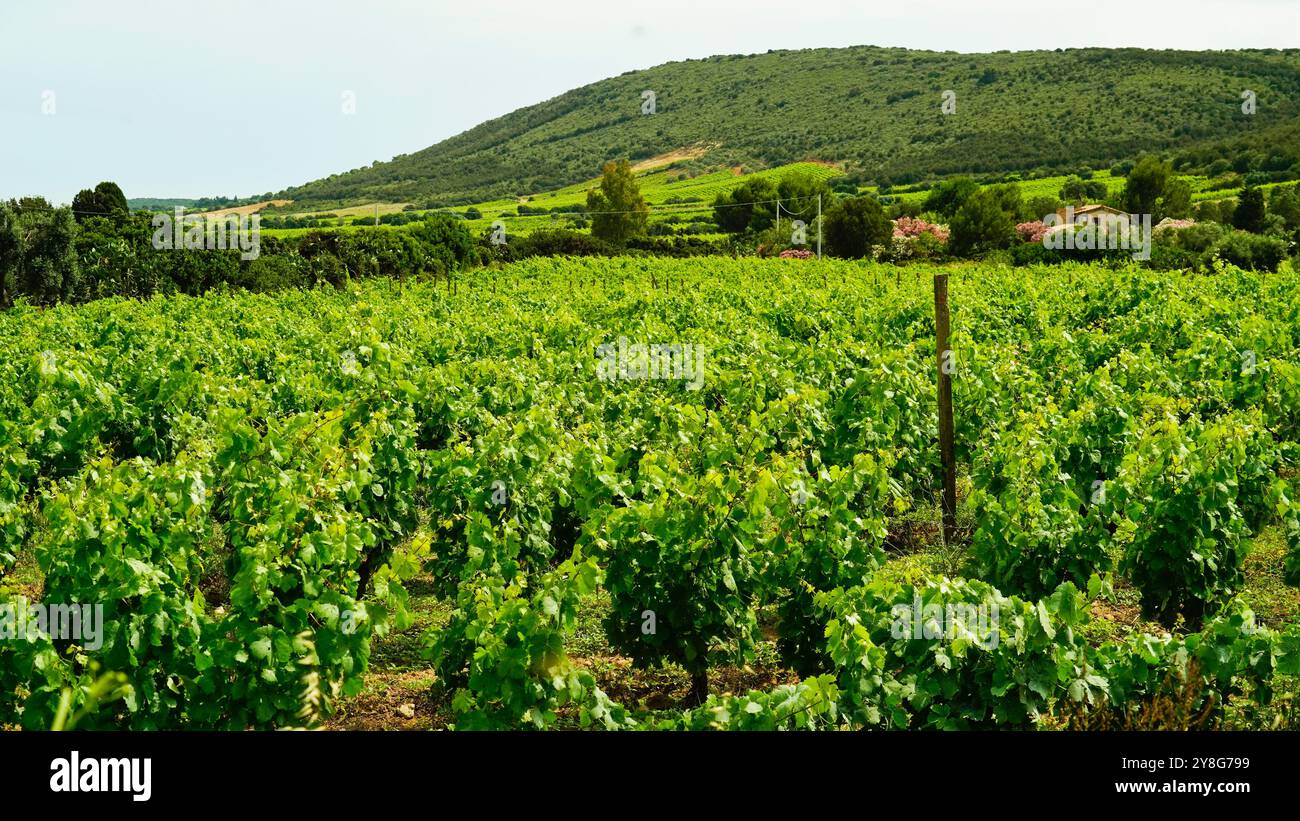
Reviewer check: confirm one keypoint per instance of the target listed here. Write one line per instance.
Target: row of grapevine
(246, 482)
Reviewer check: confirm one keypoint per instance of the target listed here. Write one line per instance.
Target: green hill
(875, 111)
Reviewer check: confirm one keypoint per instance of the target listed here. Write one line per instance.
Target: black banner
(148, 772)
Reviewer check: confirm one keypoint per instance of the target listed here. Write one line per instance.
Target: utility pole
(778, 214)
(376, 215)
(819, 226)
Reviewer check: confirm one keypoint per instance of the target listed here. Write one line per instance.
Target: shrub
(980, 225)
(1077, 190)
(1173, 258)
(1249, 215)
(1031, 231)
(1198, 238)
(948, 196)
(906, 226)
(1251, 252)
(558, 242)
(675, 246)
(1034, 253)
(854, 225)
(749, 206)
(268, 273)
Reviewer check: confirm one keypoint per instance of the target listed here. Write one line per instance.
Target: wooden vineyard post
(946, 364)
(819, 228)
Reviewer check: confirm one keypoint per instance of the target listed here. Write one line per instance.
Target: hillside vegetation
(875, 111)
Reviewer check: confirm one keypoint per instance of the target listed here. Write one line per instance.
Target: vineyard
(559, 484)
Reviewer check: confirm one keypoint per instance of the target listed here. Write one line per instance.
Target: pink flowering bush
(924, 245)
(905, 227)
(1032, 231)
(796, 253)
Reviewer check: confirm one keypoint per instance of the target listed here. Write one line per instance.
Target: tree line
(97, 248)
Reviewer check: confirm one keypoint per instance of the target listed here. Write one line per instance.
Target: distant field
(675, 197)
(293, 232)
(366, 210)
(244, 210)
(1051, 187)
(663, 190)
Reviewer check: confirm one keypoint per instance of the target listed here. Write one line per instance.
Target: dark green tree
(1219, 211)
(618, 211)
(1249, 215)
(1146, 185)
(1008, 199)
(1176, 201)
(946, 197)
(1284, 201)
(798, 192)
(11, 250)
(444, 243)
(904, 208)
(750, 206)
(30, 204)
(980, 225)
(112, 198)
(48, 273)
(1040, 207)
(105, 199)
(1078, 191)
(854, 225)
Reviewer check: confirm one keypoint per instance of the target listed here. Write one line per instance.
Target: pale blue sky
(239, 97)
